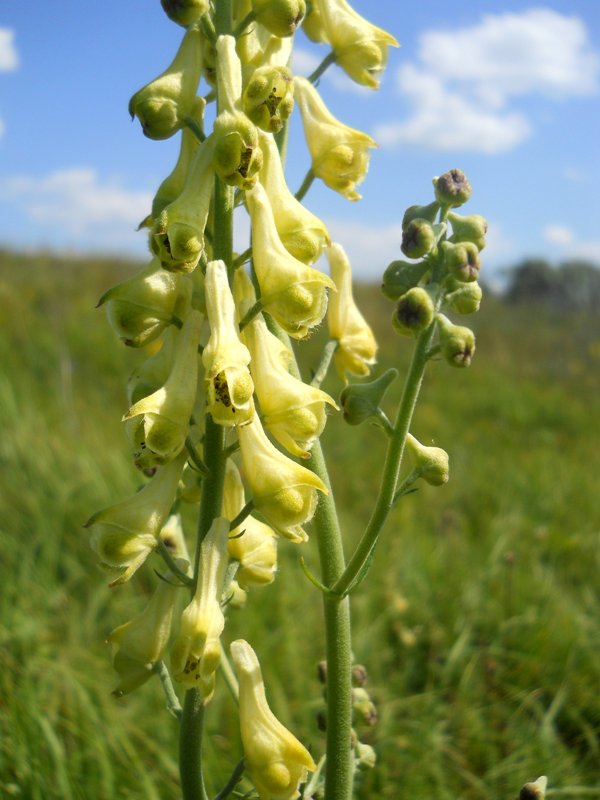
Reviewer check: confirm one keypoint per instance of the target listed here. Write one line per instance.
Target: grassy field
(479, 623)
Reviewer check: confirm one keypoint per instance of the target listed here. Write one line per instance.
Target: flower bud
(268, 98)
(179, 229)
(452, 189)
(253, 544)
(365, 757)
(196, 651)
(124, 535)
(428, 213)
(227, 379)
(237, 156)
(293, 293)
(414, 312)
(535, 790)
(464, 298)
(359, 674)
(360, 401)
(360, 48)
(283, 492)
(163, 104)
(139, 643)
(276, 761)
(457, 342)
(140, 308)
(165, 414)
(257, 47)
(340, 154)
(400, 276)
(279, 17)
(418, 238)
(302, 234)
(172, 186)
(357, 348)
(184, 12)
(432, 462)
(363, 706)
(468, 229)
(461, 260)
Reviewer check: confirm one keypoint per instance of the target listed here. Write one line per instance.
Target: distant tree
(573, 285)
(533, 279)
(580, 285)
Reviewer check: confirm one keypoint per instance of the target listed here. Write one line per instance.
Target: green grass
(478, 623)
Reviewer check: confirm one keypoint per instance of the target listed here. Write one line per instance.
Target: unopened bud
(364, 707)
(428, 212)
(280, 17)
(452, 189)
(237, 156)
(432, 462)
(457, 342)
(464, 298)
(418, 238)
(184, 12)
(468, 229)
(360, 401)
(365, 757)
(359, 675)
(268, 98)
(461, 260)
(322, 672)
(414, 312)
(535, 790)
(400, 276)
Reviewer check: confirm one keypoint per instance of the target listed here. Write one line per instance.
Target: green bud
(400, 276)
(364, 707)
(464, 298)
(364, 756)
(139, 309)
(184, 12)
(280, 17)
(163, 104)
(457, 342)
(418, 238)
(414, 312)
(428, 212)
(468, 229)
(462, 260)
(452, 189)
(359, 675)
(237, 155)
(432, 462)
(360, 401)
(268, 98)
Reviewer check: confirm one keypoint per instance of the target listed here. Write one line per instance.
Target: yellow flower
(124, 535)
(283, 492)
(268, 97)
(302, 233)
(227, 379)
(280, 17)
(292, 292)
(360, 48)
(184, 12)
(165, 414)
(340, 154)
(196, 651)
(253, 544)
(163, 104)
(275, 760)
(357, 347)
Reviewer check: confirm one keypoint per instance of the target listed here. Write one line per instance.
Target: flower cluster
(218, 356)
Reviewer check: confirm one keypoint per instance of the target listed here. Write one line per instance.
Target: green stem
(233, 781)
(229, 675)
(246, 510)
(306, 184)
(248, 20)
(324, 363)
(242, 258)
(250, 314)
(163, 551)
(327, 61)
(190, 747)
(173, 705)
(339, 766)
(391, 469)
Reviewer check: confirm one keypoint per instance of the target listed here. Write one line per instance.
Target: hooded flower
(283, 492)
(164, 415)
(124, 535)
(253, 544)
(197, 651)
(292, 292)
(357, 347)
(360, 48)
(227, 379)
(340, 154)
(302, 233)
(275, 760)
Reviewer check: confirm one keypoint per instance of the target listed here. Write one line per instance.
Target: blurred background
(479, 622)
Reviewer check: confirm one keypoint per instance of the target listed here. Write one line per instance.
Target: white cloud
(460, 89)
(558, 235)
(9, 59)
(79, 204)
(370, 248)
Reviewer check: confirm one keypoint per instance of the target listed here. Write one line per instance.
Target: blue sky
(508, 91)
